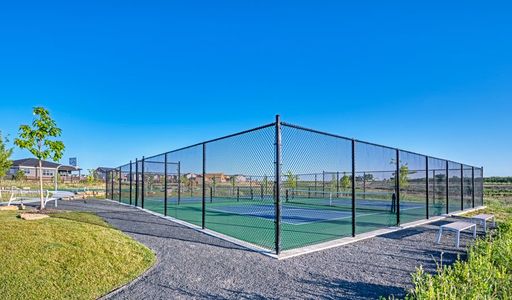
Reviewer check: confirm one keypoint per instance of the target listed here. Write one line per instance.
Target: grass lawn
(72, 255)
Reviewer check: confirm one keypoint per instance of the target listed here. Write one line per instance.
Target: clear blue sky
(125, 79)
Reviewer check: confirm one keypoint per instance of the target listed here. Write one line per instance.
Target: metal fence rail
(281, 186)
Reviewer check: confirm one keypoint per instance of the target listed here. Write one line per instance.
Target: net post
(142, 185)
(447, 186)
(165, 184)
(136, 182)
(473, 186)
(237, 193)
(397, 178)
(211, 194)
(277, 199)
(353, 188)
(204, 188)
(461, 187)
(427, 185)
(120, 175)
(131, 182)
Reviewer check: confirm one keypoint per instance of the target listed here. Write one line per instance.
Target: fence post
(461, 187)
(323, 183)
(447, 185)
(204, 188)
(397, 187)
(277, 199)
(120, 179)
(473, 186)
(434, 186)
(179, 182)
(112, 184)
(165, 184)
(136, 182)
(364, 185)
(142, 186)
(107, 176)
(353, 188)
(337, 184)
(426, 186)
(482, 185)
(131, 180)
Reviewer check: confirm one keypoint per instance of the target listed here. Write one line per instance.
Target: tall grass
(486, 274)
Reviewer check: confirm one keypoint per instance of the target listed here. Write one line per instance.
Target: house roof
(33, 162)
(103, 169)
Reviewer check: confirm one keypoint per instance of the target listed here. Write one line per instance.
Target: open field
(69, 255)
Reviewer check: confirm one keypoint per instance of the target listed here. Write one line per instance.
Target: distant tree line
(498, 179)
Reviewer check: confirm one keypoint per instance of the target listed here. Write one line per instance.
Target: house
(30, 166)
(101, 172)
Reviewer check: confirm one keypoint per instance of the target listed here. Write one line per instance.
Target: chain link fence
(282, 186)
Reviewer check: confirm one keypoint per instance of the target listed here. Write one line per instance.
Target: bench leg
(439, 235)
(493, 222)
(474, 231)
(485, 226)
(458, 239)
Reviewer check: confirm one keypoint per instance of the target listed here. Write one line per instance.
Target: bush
(486, 274)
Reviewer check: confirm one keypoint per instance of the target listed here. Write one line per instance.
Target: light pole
(56, 174)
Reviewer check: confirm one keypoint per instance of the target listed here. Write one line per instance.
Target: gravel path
(194, 265)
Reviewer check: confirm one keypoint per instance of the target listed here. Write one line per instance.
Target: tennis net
(378, 201)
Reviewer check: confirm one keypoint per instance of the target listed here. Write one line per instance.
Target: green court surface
(301, 224)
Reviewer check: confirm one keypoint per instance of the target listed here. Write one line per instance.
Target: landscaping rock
(9, 207)
(31, 217)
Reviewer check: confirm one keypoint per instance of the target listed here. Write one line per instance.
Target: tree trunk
(41, 184)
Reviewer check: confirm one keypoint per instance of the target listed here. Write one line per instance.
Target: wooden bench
(457, 227)
(482, 219)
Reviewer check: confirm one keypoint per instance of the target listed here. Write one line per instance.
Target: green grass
(487, 272)
(72, 255)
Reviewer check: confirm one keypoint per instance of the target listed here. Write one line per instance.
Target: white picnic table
(457, 227)
(482, 219)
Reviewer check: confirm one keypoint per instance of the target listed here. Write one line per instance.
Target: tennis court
(315, 217)
(281, 186)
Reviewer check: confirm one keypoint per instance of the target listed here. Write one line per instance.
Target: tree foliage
(19, 175)
(5, 156)
(345, 182)
(39, 139)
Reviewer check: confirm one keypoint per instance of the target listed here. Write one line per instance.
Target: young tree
(5, 157)
(19, 176)
(38, 140)
(291, 180)
(91, 177)
(345, 182)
